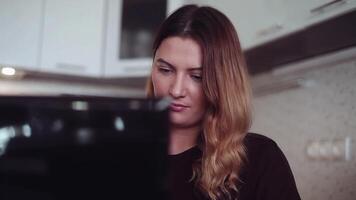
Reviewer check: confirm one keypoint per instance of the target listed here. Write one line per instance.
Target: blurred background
(301, 56)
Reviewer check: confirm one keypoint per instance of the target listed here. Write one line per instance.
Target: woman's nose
(177, 87)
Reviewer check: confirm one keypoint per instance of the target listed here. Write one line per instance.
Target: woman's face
(177, 73)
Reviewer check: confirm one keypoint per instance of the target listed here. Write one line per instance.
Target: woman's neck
(182, 139)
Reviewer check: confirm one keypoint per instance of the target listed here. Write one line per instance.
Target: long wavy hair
(227, 90)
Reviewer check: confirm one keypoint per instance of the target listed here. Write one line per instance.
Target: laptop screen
(80, 146)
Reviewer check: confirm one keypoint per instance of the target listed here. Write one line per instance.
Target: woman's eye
(164, 70)
(196, 77)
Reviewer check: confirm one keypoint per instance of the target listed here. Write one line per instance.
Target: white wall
(325, 110)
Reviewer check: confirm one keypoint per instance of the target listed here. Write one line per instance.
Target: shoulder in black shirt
(266, 175)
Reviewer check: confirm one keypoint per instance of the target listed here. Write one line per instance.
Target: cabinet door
(256, 21)
(261, 21)
(20, 29)
(73, 37)
(305, 12)
(130, 32)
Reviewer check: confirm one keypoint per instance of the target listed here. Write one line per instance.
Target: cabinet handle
(67, 66)
(331, 3)
(136, 69)
(269, 30)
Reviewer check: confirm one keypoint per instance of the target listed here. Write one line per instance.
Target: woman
(198, 62)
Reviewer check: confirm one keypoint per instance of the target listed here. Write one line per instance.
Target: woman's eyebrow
(165, 62)
(195, 69)
(161, 60)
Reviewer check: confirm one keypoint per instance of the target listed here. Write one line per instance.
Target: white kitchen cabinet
(20, 33)
(256, 21)
(73, 35)
(128, 51)
(261, 21)
(305, 13)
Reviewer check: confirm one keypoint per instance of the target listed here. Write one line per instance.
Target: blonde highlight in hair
(227, 120)
(227, 91)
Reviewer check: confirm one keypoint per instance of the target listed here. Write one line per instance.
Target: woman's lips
(178, 107)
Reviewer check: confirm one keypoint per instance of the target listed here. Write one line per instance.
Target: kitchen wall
(322, 110)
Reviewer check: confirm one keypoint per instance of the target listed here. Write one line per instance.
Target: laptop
(66, 147)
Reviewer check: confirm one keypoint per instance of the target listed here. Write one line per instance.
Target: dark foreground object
(82, 147)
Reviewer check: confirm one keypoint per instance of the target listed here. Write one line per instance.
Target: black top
(266, 175)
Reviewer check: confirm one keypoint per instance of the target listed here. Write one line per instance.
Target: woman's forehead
(180, 51)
